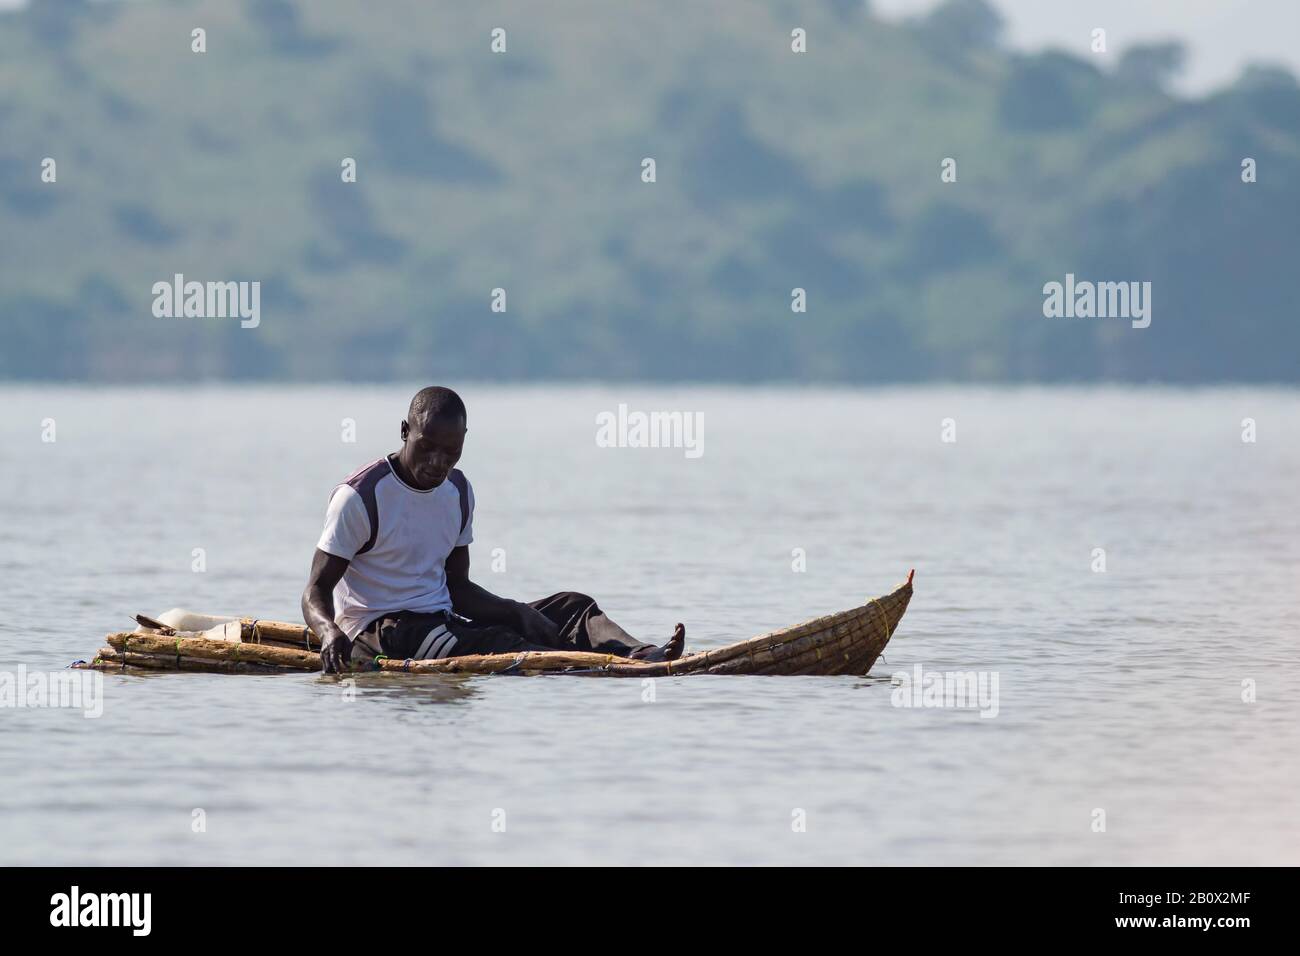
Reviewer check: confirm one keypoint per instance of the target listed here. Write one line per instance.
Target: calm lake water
(1119, 691)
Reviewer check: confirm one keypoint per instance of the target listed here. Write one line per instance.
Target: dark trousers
(582, 625)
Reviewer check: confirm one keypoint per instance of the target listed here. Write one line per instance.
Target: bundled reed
(110, 659)
(277, 633)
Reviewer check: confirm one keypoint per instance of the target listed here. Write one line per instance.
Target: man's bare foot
(676, 644)
(669, 652)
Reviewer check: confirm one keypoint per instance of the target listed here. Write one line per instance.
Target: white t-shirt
(402, 568)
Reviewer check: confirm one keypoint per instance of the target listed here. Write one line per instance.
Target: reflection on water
(412, 689)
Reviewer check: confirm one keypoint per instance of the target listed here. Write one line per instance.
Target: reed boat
(844, 643)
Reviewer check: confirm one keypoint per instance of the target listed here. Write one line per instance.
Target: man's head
(433, 435)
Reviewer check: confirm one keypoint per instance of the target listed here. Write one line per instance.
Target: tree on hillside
(848, 9)
(1152, 65)
(282, 23)
(1049, 91)
(1268, 94)
(1266, 76)
(54, 23)
(957, 27)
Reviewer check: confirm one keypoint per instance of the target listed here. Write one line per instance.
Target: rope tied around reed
(517, 662)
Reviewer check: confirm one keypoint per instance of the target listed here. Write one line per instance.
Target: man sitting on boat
(391, 571)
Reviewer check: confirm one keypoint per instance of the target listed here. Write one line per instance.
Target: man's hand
(318, 610)
(335, 652)
(536, 627)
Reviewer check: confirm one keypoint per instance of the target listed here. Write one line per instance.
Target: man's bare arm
(479, 604)
(472, 601)
(318, 610)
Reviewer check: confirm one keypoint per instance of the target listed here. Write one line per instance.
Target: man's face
(431, 448)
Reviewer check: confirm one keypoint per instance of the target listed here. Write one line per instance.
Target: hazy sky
(1221, 35)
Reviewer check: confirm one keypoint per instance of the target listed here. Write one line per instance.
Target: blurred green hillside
(523, 171)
